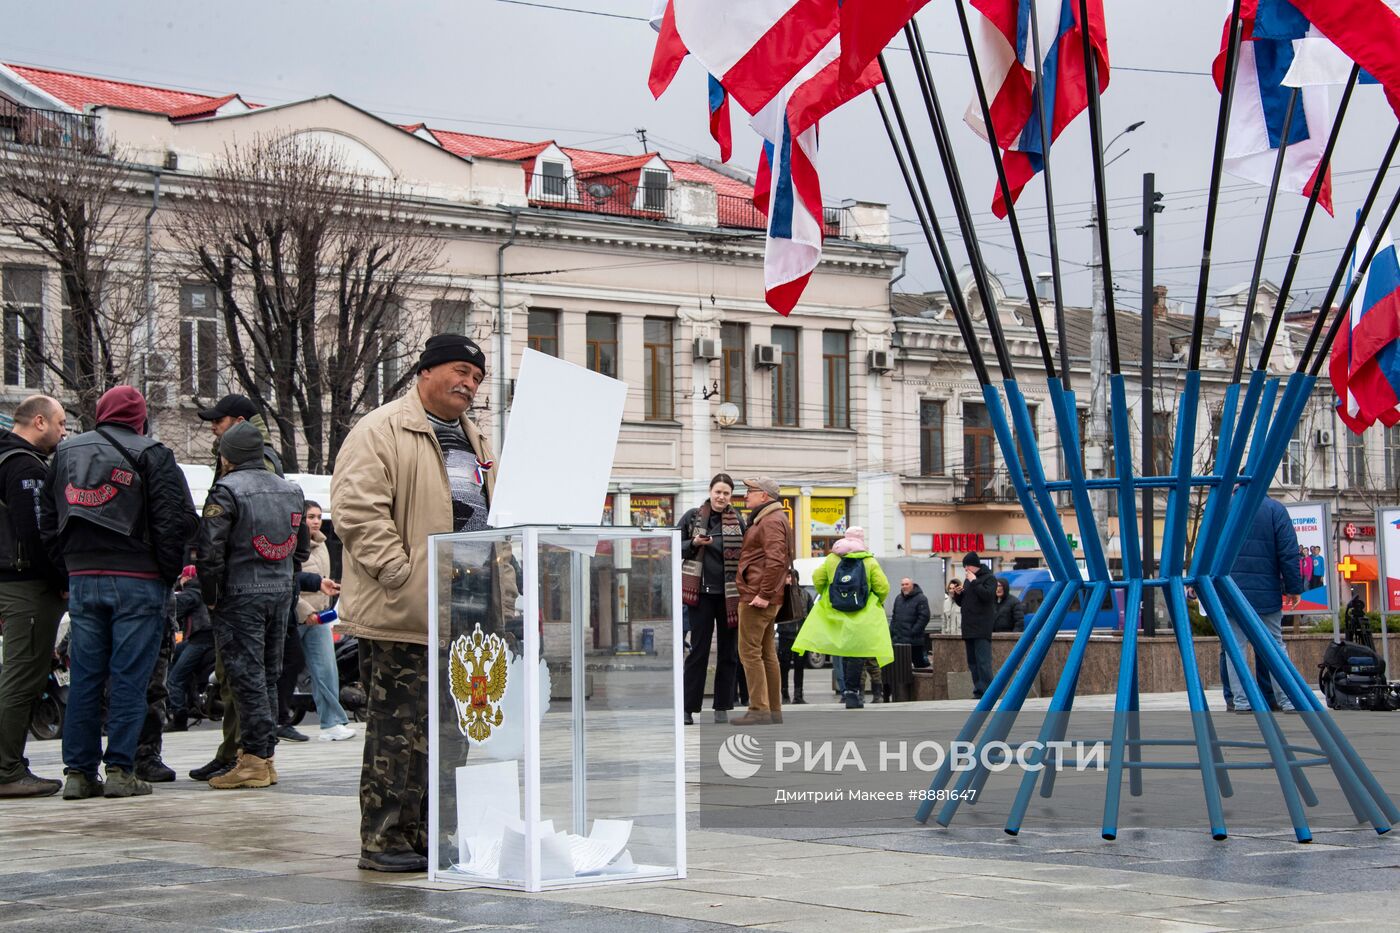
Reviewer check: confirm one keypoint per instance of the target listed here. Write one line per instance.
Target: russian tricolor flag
(1368, 31)
(1259, 106)
(1066, 86)
(720, 127)
(1365, 363)
(1002, 37)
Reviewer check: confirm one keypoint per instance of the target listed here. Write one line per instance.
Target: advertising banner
(1310, 524)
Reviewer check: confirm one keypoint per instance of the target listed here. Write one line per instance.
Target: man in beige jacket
(414, 467)
(763, 564)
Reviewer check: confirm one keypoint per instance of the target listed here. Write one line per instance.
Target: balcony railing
(600, 194)
(738, 211)
(53, 129)
(983, 486)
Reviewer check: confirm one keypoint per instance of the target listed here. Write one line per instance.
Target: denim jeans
(1266, 686)
(318, 647)
(979, 663)
(1273, 622)
(197, 652)
(115, 627)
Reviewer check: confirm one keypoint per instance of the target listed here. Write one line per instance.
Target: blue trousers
(115, 628)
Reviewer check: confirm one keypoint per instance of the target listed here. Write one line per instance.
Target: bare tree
(309, 261)
(68, 200)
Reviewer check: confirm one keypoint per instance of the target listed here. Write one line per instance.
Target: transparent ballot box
(556, 755)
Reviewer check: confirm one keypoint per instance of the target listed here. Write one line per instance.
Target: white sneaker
(337, 734)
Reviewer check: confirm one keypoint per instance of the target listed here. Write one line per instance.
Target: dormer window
(654, 185)
(553, 183)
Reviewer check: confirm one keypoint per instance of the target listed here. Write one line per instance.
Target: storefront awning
(1366, 570)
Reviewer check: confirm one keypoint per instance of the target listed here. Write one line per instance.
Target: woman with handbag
(711, 538)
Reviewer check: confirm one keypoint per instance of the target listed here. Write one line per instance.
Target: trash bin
(648, 641)
(901, 674)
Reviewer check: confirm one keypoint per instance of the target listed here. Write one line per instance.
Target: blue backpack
(849, 588)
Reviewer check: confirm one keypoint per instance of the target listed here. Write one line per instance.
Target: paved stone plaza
(189, 858)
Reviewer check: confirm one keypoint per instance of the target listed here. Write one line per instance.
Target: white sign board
(1388, 534)
(560, 444)
(1315, 556)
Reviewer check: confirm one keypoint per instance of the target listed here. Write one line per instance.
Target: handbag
(792, 599)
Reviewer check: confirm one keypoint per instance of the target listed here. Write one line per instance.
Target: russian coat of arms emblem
(477, 671)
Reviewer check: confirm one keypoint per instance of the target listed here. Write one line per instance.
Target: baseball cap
(230, 406)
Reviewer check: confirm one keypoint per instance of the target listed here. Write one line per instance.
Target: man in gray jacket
(251, 534)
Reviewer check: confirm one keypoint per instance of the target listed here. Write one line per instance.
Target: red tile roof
(82, 91)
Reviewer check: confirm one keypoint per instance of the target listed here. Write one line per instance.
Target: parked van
(1030, 587)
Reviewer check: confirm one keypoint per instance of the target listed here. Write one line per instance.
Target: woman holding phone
(712, 535)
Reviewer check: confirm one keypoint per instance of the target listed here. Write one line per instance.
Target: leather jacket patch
(90, 498)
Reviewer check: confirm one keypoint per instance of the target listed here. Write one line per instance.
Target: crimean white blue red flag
(1365, 363)
(1259, 107)
(1002, 37)
(1004, 45)
(1367, 31)
(720, 127)
(781, 61)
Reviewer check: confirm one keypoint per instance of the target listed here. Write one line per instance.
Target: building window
(1290, 472)
(448, 317)
(658, 350)
(602, 344)
(1392, 457)
(1161, 443)
(785, 378)
(553, 183)
(1034, 440)
(1356, 460)
(654, 185)
(836, 378)
(979, 450)
(543, 327)
(930, 437)
(199, 341)
(24, 327)
(734, 386)
(386, 358)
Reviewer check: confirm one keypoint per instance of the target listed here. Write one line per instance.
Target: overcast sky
(517, 69)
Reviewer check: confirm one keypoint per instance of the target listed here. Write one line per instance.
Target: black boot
(393, 861)
(154, 771)
(180, 722)
(212, 769)
(797, 698)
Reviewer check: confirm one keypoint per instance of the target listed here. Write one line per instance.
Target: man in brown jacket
(413, 467)
(763, 564)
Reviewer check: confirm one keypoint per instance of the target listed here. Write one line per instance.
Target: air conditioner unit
(767, 354)
(1324, 437)
(706, 348)
(880, 361)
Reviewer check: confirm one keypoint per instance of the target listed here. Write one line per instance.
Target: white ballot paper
(559, 447)
(491, 834)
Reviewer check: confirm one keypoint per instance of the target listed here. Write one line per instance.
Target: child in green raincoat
(861, 634)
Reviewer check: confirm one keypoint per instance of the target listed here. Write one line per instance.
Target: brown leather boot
(250, 771)
(755, 718)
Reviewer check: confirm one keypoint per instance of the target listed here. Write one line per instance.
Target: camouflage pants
(249, 635)
(394, 777)
(148, 746)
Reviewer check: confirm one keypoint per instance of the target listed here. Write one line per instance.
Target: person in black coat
(1010, 614)
(909, 619)
(976, 597)
(712, 535)
(195, 652)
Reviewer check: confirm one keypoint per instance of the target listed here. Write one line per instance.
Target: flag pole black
(1061, 332)
(1091, 85)
(1266, 349)
(1357, 279)
(1032, 299)
(1222, 126)
(1336, 284)
(1269, 204)
(959, 195)
(933, 233)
